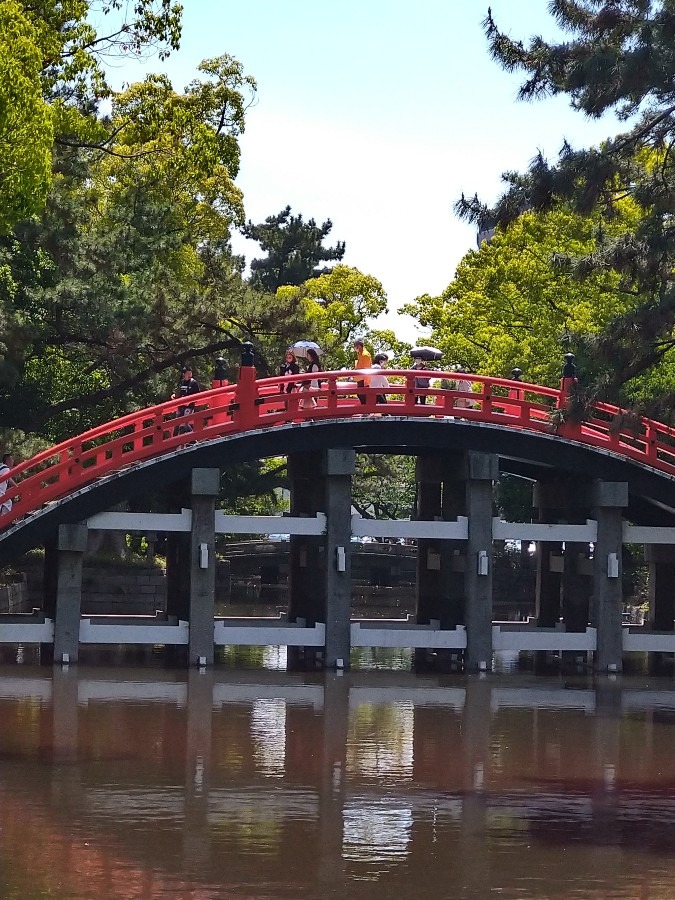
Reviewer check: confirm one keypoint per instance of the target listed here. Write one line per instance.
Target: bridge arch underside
(524, 453)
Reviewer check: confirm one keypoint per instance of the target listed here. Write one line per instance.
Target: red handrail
(261, 403)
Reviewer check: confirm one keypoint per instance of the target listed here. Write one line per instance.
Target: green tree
(338, 307)
(618, 56)
(52, 80)
(294, 250)
(26, 121)
(129, 271)
(384, 486)
(515, 302)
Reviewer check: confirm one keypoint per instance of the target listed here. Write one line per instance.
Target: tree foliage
(619, 56)
(52, 80)
(338, 307)
(294, 250)
(515, 302)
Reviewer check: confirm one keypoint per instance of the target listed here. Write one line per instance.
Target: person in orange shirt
(363, 361)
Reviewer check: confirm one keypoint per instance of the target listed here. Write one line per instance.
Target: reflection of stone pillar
(64, 714)
(196, 831)
(63, 589)
(333, 780)
(606, 724)
(482, 471)
(205, 484)
(474, 850)
(337, 593)
(610, 498)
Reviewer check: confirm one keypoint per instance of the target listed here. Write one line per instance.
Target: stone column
(306, 476)
(306, 552)
(428, 475)
(661, 559)
(453, 554)
(546, 499)
(430, 553)
(609, 500)
(178, 568)
(205, 486)
(337, 593)
(63, 589)
(482, 470)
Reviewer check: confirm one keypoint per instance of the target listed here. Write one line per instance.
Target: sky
(377, 115)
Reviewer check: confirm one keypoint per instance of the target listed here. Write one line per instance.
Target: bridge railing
(262, 403)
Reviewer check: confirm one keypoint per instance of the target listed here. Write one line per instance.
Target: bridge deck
(254, 404)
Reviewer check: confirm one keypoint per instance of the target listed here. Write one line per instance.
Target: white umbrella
(300, 348)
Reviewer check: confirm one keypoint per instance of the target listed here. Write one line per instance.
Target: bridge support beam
(482, 471)
(63, 590)
(205, 486)
(610, 498)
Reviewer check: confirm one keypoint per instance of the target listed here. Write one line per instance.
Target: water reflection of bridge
(296, 692)
(217, 766)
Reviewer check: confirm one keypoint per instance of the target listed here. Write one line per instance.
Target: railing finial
(247, 354)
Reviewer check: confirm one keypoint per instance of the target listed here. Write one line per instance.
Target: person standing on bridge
(313, 365)
(420, 382)
(187, 387)
(363, 361)
(379, 379)
(6, 482)
(289, 367)
(463, 384)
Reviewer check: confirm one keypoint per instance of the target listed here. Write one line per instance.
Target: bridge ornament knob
(570, 367)
(247, 357)
(516, 374)
(220, 372)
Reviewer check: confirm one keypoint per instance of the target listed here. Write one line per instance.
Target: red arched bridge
(260, 405)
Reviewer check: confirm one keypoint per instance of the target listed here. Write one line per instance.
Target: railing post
(515, 394)
(247, 391)
(568, 383)
(219, 374)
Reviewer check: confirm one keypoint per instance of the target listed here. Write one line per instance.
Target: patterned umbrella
(300, 348)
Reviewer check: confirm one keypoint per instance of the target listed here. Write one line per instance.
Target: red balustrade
(253, 404)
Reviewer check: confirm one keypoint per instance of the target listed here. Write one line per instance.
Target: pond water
(156, 783)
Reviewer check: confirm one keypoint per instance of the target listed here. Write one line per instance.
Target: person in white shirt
(5, 481)
(379, 379)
